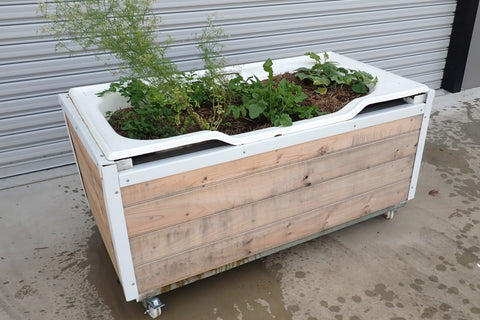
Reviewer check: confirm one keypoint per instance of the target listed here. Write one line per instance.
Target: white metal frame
(118, 230)
(113, 202)
(421, 144)
(92, 109)
(174, 165)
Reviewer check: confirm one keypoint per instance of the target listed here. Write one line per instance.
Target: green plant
(126, 29)
(211, 87)
(277, 102)
(325, 74)
(149, 116)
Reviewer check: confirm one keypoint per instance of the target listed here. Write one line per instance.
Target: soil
(335, 99)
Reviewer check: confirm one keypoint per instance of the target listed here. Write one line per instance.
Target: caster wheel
(390, 214)
(153, 306)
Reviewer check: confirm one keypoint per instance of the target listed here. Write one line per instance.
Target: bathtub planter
(175, 210)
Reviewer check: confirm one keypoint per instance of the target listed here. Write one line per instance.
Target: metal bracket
(124, 164)
(419, 98)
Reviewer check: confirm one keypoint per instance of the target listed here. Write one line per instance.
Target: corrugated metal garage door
(407, 37)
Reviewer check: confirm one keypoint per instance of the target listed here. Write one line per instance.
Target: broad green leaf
(282, 120)
(299, 97)
(321, 90)
(321, 81)
(267, 66)
(302, 76)
(303, 69)
(235, 110)
(313, 55)
(256, 109)
(359, 88)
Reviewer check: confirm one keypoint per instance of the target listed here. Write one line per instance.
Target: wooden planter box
(171, 217)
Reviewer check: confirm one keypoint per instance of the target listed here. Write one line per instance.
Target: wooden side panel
(223, 224)
(198, 260)
(143, 192)
(187, 224)
(195, 203)
(94, 191)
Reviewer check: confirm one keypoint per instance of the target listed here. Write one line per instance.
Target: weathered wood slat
(201, 259)
(150, 190)
(195, 203)
(219, 226)
(94, 191)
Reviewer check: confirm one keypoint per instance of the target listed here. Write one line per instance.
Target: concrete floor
(423, 264)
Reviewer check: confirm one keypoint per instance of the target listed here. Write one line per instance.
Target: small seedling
(326, 74)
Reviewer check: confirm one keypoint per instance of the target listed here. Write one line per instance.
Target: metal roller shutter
(408, 37)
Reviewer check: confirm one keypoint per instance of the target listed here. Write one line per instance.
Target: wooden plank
(224, 224)
(202, 177)
(195, 203)
(94, 191)
(175, 268)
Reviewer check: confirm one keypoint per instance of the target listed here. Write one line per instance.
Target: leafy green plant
(126, 29)
(325, 74)
(212, 86)
(276, 102)
(149, 116)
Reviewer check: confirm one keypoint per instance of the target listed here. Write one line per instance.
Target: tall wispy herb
(126, 29)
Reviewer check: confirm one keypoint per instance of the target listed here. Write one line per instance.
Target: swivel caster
(390, 214)
(153, 306)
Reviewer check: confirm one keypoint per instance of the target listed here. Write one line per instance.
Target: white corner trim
(421, 144)
(118, 230)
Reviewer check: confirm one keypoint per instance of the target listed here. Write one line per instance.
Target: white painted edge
(113, 201)
(92, 109)
(82, 131)
(118, 230)
(179, 164)
(421, 144)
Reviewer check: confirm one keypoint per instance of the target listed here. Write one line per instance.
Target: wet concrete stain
(381, 291)
(417, 285)
(468, 257)
(246, 292)
(439, 154)
(25, 290)
(250, 291)
(452, 153)
(102, 276)
(53, 272)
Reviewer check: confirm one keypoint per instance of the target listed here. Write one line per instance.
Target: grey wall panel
(409, 37)
(44, 156)
(49, 85)
(30, 122)
(32, 138)
(22, 107)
